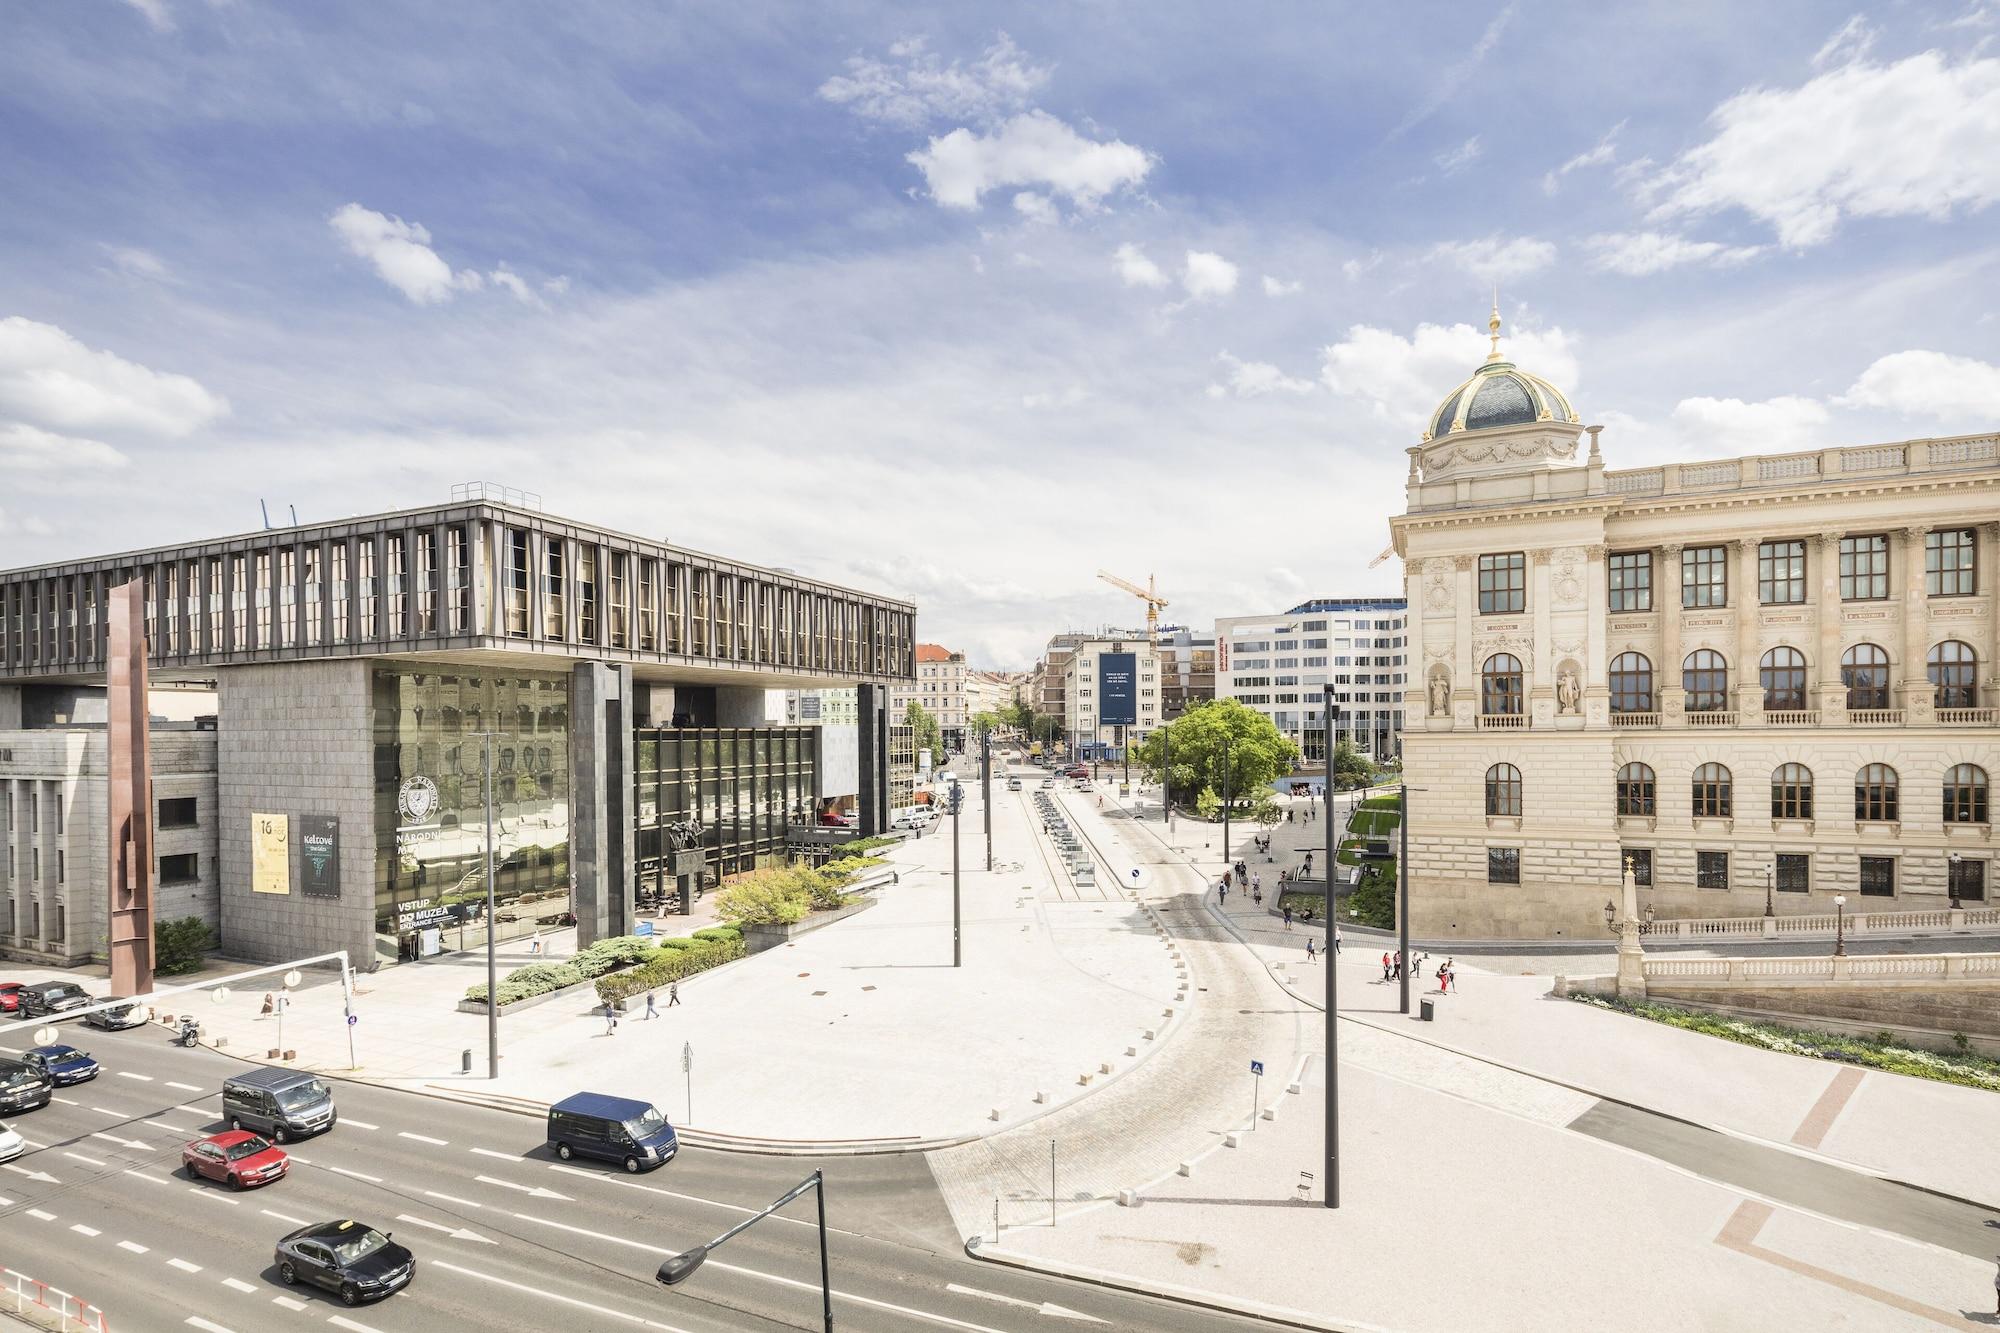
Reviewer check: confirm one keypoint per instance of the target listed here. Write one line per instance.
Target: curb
(1186, 1296)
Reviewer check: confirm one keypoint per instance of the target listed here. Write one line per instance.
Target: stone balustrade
(1981, 969)
(1807, 925)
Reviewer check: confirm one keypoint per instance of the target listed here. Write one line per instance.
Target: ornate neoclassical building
(1763, 678)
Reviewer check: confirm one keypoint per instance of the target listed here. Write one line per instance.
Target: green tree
(929, 736)
(1242, 770)
(983, 723)
(1351, 768)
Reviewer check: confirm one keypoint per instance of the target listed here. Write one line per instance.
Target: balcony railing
(1635, 719)
(1793, 717)
(1875, 717)
(1967, 717)
(1503, 721)
(1711, 719)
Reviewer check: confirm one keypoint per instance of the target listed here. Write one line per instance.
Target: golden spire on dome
(1493, 328)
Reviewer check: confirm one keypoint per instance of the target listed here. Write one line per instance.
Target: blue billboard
(1117, 692)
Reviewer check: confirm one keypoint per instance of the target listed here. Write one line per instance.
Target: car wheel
(288, 1275)
(278, 1134)
(235, 1182)
(631, 1165)
(563, 1151)
(235, 1122)
(350, 1294)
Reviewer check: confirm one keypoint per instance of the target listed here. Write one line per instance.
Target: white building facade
(1280, 665)
(1759, 681)
(1084, 691)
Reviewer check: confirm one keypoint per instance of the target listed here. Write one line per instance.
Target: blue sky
(963, 303)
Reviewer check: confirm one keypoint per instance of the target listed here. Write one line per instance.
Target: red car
(10, 996)
(236, 1157)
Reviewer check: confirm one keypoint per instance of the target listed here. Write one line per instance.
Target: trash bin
(1428, 1009)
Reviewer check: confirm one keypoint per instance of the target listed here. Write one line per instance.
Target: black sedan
(349, 1258)
(23, 1087)
(51, 997)
(131, 1016)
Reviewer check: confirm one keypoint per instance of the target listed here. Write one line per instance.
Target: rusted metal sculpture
(129, 793)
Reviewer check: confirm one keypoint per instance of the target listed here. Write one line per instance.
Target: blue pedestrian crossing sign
(1257, 1068)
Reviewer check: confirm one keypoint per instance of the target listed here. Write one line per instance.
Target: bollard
(1131, 1050)
(1187, 1168)
(1104, 1067)
(1128, 1198)
(465, 1061)
(1232, 1140)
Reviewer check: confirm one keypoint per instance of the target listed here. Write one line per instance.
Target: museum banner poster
(1118, 699)
(319, 856)
(270, 853)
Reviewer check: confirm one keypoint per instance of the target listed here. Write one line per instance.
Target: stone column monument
(1631, 958)
(128, 793)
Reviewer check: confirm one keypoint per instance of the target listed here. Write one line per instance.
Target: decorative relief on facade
(1569, 688)
(1872, 613)
(1437, 652)
(1437, 587)
(1569, 577)
(1960, 612)
(1569, 648)
(1644, 623)
(1784, 617)
(1705, 622)
(1462, 563)
(1597, 552)
(1438, 461)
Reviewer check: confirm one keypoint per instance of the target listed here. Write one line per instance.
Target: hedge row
(596, 961)
(673, 964)
(782, 895)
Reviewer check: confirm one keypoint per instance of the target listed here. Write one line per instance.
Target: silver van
(283, 1104)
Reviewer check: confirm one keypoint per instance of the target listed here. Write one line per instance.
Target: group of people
(1392, 970)
(652, 1009)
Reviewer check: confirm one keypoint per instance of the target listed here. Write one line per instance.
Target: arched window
(1500, 685)
(1635, 790)
(1791, 792)
(1711, 792)
(1864, 670)
(1875, 792)
(1954, 669)
(1705, 677)
(1631, 683)
(1503, 790)
(1783, 676)
(1965, 794)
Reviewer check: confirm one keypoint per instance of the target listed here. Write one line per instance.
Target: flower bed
(1963, 1067)
(537, 980)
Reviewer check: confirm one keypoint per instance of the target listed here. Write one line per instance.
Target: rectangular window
(459, 568)
(1711, 870)
(1949, 563)
(1878, 876)
(1631, 580)
(519, 572)
(1864, 568)
(1781, 573)
(179, 812)
(309, 578)
(552, 589)
(620, 562)
(1794, 872)
(1640, 861)
(368, 586)
(288, 597)
(427, 580)
(396, 573)
(338, 575)
(649, 574)
(1503, 865)
(1503, 583)
(180, 868)
(262, 574)
(586, 594)
(1705, 576)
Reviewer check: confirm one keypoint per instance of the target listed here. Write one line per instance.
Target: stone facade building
(1756, 680)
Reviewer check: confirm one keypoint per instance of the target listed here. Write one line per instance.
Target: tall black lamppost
(952, 803)
(1332, 958)
(1951, 879)
(680, 1267)
(986, 789)
(1166, 774)
(1403, 887)
(1839, 924)
(1767, 892)
(1228, 741)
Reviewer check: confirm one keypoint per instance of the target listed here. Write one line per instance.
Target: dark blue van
(613, 1129)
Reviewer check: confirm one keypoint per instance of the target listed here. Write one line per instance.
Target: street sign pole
(1256, 1091)
(1332, 959)
(687, 1071)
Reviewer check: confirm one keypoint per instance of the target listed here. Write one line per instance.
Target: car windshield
(304, 1095)
(248, 1148)
(14, 1078)
(360, 1247)
(647, 1125)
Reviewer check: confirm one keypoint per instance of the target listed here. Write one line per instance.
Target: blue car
(63, 1064)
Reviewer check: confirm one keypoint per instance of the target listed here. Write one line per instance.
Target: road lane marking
(423, 1138)
(358, 1175)
(343, 1321)
(184, 1265)
(32, 1143)
(134, 1246)
(183, 1110)
(32, 1174)
(161, 1124)
(143, 1078)
(105, 1110)
(623, 1183)
(433, 1194)
(503, 1156)
(12, 1050)
(238, 1284)
(302, 1161)
(282, 1217)
(357, 1124)
(140, 1144)
(207, 1193)
(82, 1230)
(185, 1087)
(39, 1214)
(68, 1101)
(147, 1175)
(206, 1325)
(536, 1190)
(93, 1161)
(456, 1233)
(554, 1296)
(1043, 1307)
(288, 1302)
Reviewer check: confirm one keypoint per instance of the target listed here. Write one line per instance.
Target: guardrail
(35, 1298)
(1931, 921)
(1978, 968)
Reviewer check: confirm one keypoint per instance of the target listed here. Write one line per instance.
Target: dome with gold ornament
(1499, 393)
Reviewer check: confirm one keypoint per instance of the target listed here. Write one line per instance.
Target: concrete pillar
(1908, 561)
(128, 799)
(871, 708)
(1831, 695)
(10, 707)
(1673, 698)
(1464, 671)
(1743, 592)
(601, 836)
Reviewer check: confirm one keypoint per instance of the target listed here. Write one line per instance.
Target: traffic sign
(1257, 1068)
(352, 1019)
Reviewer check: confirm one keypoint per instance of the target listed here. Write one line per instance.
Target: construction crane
(1148, 595)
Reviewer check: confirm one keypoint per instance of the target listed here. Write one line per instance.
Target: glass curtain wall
(430, 821)
(743, 785)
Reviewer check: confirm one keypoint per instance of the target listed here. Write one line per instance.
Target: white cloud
(1036, 208)
(401, 253)
(1208, 275)
(1281, 287)
(50, 378)
(1460, 157)
(1920, 383)
(138, 263)
(156, 13)
(514, 283)
(1031, 149)
(1732, 426)
(1135, 269)
(1068, 397)
(1354, 268)
(1637, 254)
(1911, 139)
(1403, 380)
(29, 449)
(31, 526)
(1458, 76)
(1853, 41)
(1254, 379)
(914, 88)
(1605, 150)
(1497, 258)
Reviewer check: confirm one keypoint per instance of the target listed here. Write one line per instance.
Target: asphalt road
(506, 1237)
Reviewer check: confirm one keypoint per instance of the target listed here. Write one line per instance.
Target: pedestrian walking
(1257, 886)
(651, 1012)
(535, 944)
(1222, 894)
(673, 993)
(267, 1006)
(1336, 938)
(610, 1019)
(1396, 965)
(1308, 869)
(1451, 974)
(1996, 1285)
(1385, 967)
(1288, 916)
(1310, 955)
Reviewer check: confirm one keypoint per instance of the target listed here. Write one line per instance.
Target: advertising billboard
(319, 856)
(1117, 689)
(270, 853)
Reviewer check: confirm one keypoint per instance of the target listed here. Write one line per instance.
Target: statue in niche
(1440, 694)
(1569, 690)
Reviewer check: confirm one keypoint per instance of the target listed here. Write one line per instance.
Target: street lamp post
(1166, 775)
(1951, 879)
(680, 1267)
(956, 799)
(1332, 957)
(1839, 924)
(986, 789)
(1767, 892)
(1228, 742)
(492, 961)
(1402, 888)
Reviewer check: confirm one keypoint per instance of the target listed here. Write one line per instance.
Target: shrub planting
(178, 946)
(672, 965)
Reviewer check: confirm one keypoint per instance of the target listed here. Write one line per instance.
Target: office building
(1279, 665)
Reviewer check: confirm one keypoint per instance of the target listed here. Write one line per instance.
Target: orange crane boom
(1148, 594)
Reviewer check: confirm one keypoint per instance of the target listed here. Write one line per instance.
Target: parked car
(131, 1016)
(23, 1087)
(284, 1103)
(1013, 784)
(50, 997)
(235, 1157)
(1048, 783)
(12, 1145)
(350, 1258)
(63, 1064)
(615, 1129)
(10, 996)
